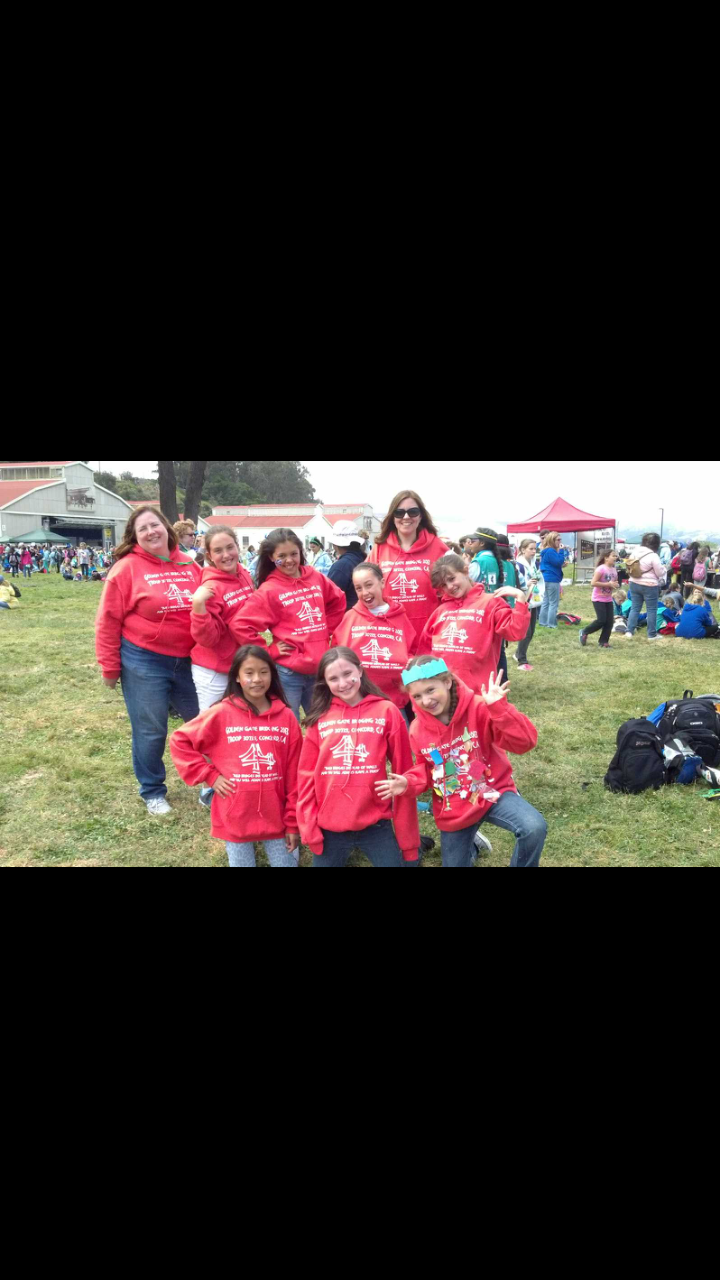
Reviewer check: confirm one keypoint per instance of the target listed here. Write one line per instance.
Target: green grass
(68, 797)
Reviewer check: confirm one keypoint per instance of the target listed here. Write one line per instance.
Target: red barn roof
(259, 522)
(11, 490)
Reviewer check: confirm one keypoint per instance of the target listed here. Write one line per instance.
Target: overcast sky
(494, 494)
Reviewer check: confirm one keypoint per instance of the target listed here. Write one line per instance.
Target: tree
(194, 490)
(168, 490)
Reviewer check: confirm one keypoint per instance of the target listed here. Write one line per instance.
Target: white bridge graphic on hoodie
(404, 586)
(308, 614)
(373, 652)
(255, 756)
(176, 596)
(454, 634)
(348, 751)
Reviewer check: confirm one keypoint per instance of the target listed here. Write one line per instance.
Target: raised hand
(510, 593)
(201, 597)
(495, 691)
(393, 786)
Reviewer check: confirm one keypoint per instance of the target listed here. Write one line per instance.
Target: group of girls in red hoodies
(460, 740)
(247, 749)
(469, 627)
(301, 608)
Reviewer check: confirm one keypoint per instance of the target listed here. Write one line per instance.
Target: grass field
(68, 797)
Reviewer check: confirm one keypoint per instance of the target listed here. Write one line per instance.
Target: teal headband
(426, 672)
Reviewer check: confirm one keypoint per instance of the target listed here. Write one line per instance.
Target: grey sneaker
(482, 844)
(159, 807)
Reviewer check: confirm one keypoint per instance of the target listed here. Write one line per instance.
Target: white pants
(210, 686)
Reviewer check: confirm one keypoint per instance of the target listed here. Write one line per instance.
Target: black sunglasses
(413, 513)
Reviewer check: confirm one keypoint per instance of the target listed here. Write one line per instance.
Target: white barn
(63, 498)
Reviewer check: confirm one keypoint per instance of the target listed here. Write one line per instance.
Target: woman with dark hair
(143, 638)
(299, 606)
(352, 733)
(406, 549)
(645, 589)
(247, 749)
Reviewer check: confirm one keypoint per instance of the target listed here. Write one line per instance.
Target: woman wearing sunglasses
(406, 550)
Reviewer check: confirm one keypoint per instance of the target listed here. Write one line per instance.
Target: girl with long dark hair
(247, 748)
(299, 606)
(353, 730)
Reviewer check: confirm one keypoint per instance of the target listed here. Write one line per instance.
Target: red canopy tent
(563, 517)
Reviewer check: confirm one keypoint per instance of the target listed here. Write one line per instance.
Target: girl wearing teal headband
(460, 741)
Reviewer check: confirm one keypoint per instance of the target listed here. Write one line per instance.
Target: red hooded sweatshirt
(469, 633)
(302, 611)
(383, 643)
(260, 754)
(215, 646)
(345, 753)
(147, 601)
(473, 749)
(407, 574)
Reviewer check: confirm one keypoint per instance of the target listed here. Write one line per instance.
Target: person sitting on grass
(460, 740)
(697, 621)
(8, 595)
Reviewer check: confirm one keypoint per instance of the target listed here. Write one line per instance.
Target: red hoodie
(215, 646)
(383, 644)
(260, 754)
(343, 756)
(473, 745)
(469, 633)
(407, 574)
(147, 601)
(302, 611)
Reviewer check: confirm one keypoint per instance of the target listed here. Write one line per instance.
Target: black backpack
(698, 720)
(638, 763)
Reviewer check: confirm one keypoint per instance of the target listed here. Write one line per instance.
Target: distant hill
(633, 533)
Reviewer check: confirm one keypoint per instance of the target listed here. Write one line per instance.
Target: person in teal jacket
(487, 562)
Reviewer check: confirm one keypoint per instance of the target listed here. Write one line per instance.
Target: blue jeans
(649, 596)
(298, 689)
(378, 843)
(550, 605)
(511, 813)
(150, 683)
(27, 570)
(243, 855)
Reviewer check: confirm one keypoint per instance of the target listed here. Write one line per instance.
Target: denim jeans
(27, 570)
(298, 690)
(378, 843)
(524, 645)
(649, 595)
(511, 813)
(150, 683)
(243, 855)
(550, 605)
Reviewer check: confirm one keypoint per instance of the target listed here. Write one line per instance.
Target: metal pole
(662, 523)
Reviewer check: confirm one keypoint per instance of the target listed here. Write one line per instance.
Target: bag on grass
(570, 619)
(681, 763)
(698, 721)
(638, 763)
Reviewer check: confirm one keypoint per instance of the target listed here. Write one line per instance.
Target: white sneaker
(629, 637)
(482, 844)
(159, 807)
